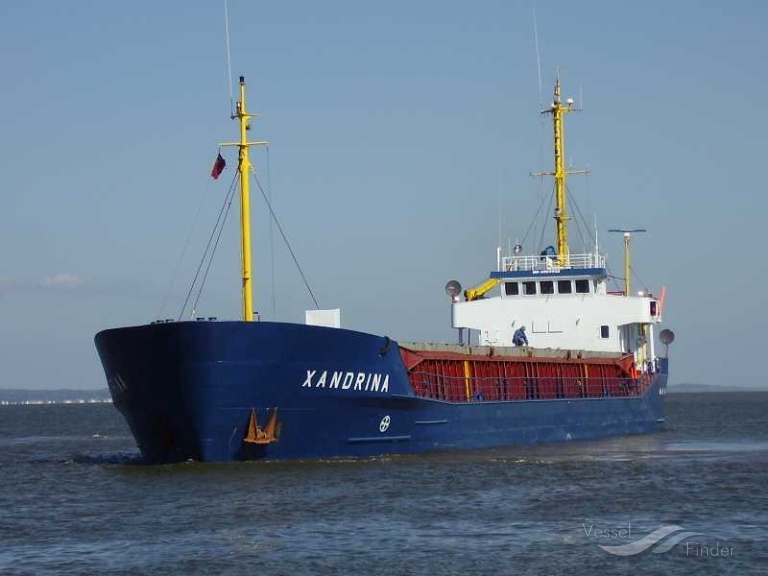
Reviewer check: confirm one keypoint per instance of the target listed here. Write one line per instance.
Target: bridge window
(582, 286)
(511, 288)
(547, 287)
(529, 288)
(564, 287)
(605, 331)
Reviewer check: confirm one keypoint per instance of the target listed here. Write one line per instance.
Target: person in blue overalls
(519, 338)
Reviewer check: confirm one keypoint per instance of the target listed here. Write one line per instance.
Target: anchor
(258, 435)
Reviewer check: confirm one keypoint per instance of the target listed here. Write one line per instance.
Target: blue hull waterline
(190, 390)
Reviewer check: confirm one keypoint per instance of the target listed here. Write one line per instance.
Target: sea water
(76, 499)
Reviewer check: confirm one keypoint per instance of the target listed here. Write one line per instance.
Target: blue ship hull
(188, 391)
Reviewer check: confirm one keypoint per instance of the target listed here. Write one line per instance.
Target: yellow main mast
(244, 168)
(558, 111)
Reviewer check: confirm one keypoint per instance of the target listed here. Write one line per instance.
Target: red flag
(218, 166)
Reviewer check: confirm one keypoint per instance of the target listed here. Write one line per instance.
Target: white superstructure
(564, 307)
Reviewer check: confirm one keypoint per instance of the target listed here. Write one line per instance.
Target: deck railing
(490, 389)
(550, 263)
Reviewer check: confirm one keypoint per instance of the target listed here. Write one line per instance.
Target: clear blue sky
(395, 129)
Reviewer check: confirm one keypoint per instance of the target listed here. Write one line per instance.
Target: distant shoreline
(709, 389)
(17, 396)
(22, 397)
(78, 402)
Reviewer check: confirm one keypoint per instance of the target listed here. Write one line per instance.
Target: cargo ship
(210, 390)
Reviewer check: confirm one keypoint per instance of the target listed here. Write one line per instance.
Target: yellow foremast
(244, 168)
(558, 111)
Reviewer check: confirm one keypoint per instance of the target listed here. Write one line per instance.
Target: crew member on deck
(519, 338)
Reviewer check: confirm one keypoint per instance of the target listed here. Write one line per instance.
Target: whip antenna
(229, 62)
(538, 54)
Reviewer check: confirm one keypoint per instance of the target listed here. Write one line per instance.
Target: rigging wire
(224, 207)
(618, 281)
(183, 253)
(534, 220)
(271, 240)
(573, 204)
(285, 239)
(589, 193)
(213, 251)
(500, 209)
(634, 275)
(544, 225)
(615, 279)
